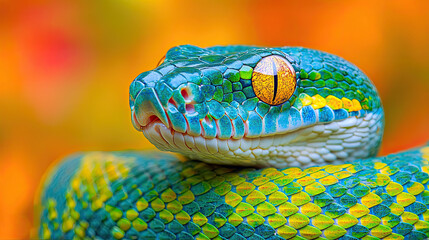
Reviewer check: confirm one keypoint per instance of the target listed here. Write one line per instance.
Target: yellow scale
(331, 101)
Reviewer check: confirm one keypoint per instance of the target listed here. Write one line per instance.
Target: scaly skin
(126, 195)
(201, 103)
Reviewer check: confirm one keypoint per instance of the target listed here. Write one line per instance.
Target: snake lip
(307, 145)
(135, 122)
(149, 122)
(139, 126)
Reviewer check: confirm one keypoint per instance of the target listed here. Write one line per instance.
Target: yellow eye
(274, 80)
(161, 61)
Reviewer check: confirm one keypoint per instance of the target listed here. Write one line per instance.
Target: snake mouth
(140, 125)
(318, 144)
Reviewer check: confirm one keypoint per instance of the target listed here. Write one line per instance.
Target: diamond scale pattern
(128, 195)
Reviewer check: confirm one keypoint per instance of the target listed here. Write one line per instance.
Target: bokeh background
(66, 66)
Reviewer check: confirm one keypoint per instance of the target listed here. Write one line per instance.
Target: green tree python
(277, 143)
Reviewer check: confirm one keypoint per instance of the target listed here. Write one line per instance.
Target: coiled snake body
(285, 140)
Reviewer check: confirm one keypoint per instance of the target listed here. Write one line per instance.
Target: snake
(268, 143)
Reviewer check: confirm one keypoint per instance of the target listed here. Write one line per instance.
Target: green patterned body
(153, 195)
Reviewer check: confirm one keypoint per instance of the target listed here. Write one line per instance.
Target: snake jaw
(334, 142)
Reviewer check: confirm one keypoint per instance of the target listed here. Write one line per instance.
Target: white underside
(330, 143)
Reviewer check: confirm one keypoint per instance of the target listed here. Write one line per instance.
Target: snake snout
(148, 109)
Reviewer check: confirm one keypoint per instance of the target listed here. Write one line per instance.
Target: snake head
(256, 106)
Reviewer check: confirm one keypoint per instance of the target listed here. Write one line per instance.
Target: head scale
(258, 106)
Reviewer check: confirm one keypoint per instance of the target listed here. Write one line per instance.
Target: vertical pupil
(273, 80)
(276, 79)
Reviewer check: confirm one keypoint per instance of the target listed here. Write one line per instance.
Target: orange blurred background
(66, 67)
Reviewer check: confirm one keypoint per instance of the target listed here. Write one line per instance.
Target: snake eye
(274, 80)
(161, 61)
